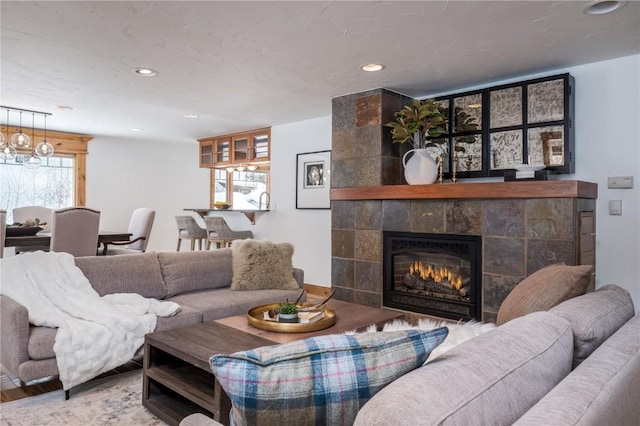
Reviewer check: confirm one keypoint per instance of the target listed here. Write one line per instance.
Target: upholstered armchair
(140, 228)
(3, 230)
(22, 214)
(75, 230)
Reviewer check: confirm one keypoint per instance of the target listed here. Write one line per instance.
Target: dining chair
(140, 228)
(219, 232)
(75, 230)
(22, 214)
(3, 230)
(188, 229)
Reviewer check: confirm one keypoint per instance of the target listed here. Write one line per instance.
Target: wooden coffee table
(177, 377)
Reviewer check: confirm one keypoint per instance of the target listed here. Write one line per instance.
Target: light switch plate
(615, 207)
(620, 182)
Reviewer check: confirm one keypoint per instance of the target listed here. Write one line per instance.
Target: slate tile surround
(520, 235)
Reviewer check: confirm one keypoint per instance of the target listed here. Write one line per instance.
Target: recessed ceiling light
(372, 67)
(145, 72)
(475, 105)
(64, 108)
(600, 7)
(135, 129)
(191, 115)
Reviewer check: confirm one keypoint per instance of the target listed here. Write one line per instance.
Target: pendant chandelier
(7, 152)
(21, 141)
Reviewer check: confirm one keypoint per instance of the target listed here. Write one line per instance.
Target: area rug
(458, 332)
(114, 400)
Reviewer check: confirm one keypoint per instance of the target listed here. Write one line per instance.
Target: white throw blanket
(95, 334)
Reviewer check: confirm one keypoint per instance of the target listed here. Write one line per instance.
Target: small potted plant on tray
(288, 312)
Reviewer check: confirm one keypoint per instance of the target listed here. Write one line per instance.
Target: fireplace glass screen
(435, 274)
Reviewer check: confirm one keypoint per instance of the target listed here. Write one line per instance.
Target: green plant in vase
(288, 308)
(288, 312)
(415, 122)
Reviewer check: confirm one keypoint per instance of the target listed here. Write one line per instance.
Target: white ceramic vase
(421, 169)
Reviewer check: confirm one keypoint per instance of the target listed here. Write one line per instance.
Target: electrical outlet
(620, 182)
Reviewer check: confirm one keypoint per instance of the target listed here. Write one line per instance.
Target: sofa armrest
(298, 274)
(14, 334)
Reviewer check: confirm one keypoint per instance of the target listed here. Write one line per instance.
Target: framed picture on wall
(313, 180)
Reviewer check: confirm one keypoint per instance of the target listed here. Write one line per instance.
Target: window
(51, 185)
(248, 187)
(244, 190)
(59, 182)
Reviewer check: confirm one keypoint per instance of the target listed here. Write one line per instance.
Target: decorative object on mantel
(528, 172)
(454, 173)
(414, 123)
(21, 141)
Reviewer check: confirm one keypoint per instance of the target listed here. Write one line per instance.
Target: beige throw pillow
(544, 289)
(260, 265)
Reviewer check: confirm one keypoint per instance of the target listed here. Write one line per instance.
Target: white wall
(308, 230)
(607, 144)
(123, 175)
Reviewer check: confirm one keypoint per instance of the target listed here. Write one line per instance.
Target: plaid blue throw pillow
(320, 380)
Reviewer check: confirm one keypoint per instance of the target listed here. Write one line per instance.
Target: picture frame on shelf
(313, 180)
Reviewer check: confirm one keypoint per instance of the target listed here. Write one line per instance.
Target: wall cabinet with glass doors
(239, 149)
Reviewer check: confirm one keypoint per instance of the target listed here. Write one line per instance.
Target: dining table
(43, 239)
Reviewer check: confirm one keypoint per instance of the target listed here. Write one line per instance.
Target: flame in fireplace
(438, 274)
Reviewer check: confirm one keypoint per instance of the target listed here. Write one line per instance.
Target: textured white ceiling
(243, 65)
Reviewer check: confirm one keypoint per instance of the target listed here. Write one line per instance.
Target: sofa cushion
(318, 380)
(594, 317)
(544, 289)
(603, 390)
(492, 379)
(186, 316)
(196, 270)
(223, 302)
(124, 274)
(259, 265)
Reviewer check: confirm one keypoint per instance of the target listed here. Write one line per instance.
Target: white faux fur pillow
(458, 332)
(261, 265)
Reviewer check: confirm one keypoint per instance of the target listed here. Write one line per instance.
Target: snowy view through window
(248, 186)
(51, 185)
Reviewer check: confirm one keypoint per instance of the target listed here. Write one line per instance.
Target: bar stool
(219, 232)
(188, 229)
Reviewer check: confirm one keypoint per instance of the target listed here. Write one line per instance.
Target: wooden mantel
(488, 190)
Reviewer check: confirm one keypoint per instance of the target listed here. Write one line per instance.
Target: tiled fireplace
(435, 274)
(522, 226)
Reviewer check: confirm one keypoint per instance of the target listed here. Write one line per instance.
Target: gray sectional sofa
(576, 364)
(198, 281)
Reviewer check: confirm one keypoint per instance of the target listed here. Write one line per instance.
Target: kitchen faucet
(266, 206)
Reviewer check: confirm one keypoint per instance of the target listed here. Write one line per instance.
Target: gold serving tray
(256, 315)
